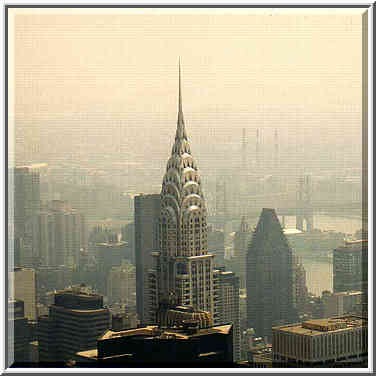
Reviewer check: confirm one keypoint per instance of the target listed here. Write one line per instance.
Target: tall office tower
(183, 267)
(350, 267)
(22, 286)
(244, 181)
(258, 150)
(269, 277)
(299, 284)
(61, 232)
(18, 331)
(241, 242)
(146, 215)
(227, 307)
(26, 205)
(76, 319)
(121, 284)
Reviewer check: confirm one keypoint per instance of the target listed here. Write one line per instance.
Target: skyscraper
(26, 205)
(269, 277)
(146, 215)
(183, 270)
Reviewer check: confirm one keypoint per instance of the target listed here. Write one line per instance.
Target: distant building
(26, 205)
(299, 284)
(341, 303)
(146, 214)
(76, 319)
(22, 286)
(19, 335)
(350, 267)
(269, 277)
(61, 232)
(227, 305)
(322, 343)
(216, 245)
(121, 284)
(187, 345)
(241, 243)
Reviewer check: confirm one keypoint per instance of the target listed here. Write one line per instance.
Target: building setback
(76, 319)
(269, 277)
(146, 215)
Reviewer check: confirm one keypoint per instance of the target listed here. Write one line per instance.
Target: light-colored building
(183, 268)
(61, 232)
(22, 286)
(227, 305)
(121, 284)
(321, 342)
(341, 303)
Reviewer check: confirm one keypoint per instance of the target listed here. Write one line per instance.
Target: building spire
(180, 132)
(180, 100)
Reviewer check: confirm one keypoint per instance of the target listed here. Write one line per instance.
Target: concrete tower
(183, 271)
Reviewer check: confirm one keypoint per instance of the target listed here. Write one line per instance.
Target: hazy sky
(108, 79)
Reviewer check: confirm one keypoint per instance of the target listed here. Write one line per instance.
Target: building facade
(26, 203)
(146, 215)
(227, 305)
(121, 284)
(269, 277)
(183, 267)
(60, 234)
(322, 342)
(241, 243)
(76, 319)
(22, 286)
(350, 267)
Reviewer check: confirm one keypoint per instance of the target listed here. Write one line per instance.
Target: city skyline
(127, 246)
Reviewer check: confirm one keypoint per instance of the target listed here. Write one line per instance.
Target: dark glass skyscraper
(269, 277)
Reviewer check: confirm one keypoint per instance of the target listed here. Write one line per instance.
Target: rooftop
(152, 331)
(322, 326)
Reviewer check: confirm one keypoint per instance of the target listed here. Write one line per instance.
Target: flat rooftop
(322, 326)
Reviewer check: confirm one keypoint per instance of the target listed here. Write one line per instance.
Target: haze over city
(188, 173)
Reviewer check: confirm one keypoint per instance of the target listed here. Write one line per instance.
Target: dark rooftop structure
(155, 346)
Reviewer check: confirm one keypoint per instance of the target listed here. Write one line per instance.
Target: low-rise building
(340, 341)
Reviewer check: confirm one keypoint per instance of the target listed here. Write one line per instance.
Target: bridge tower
(304, 211)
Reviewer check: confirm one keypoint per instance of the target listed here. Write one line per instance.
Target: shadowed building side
(269, 277)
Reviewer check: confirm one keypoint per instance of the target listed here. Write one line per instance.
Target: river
(320, 273)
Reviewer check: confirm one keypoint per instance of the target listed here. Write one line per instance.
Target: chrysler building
(183, 268)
